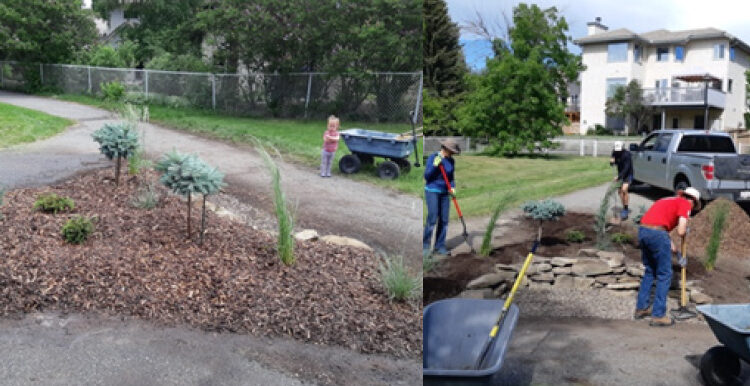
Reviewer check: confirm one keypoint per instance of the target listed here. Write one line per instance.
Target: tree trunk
(117, 171)
(190, 196)
(203, 220)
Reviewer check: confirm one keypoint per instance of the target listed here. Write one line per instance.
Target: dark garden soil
(728, 282)
(139, 263)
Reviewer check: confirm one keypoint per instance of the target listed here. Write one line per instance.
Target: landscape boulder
(345, 241)
(547, 277)
(491, 279)
(583, 282)
(561, 270)
(306, 235)
(565, 282)
(591, 268)
(624, 286)
(700, 298)
(588, 252)
(476, 294)
(562, 261)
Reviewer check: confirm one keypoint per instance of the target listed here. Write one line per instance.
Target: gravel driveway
(386, 220)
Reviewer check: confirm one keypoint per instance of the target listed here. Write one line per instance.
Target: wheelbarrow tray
(376, 143)
(731, 325)
(454, 332)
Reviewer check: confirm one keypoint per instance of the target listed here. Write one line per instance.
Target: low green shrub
(575, 236)
(52, 203)
(137, 162)
(112, 91)
(77, 230)
(622, 238)
(398, 283)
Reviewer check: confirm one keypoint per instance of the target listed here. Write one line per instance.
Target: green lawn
(298, 140)
(480, 179)
(20, 125)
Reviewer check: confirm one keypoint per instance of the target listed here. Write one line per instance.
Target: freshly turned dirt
(140, 263)
(728, 282)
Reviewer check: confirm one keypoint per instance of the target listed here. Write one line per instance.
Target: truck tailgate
(735, 167)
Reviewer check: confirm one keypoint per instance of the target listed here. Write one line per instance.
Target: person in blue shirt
(438, 196)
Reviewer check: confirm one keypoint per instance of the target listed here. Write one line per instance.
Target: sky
(639, 16)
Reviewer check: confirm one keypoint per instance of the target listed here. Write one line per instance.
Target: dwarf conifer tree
(117, 141)
(186, 174)
(541, 211)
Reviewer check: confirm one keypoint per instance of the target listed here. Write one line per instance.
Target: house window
(729, 85)
(637, 53)
(617, 52)
(731, 54)
(662, 54)
(718, 51)
(613, 84)
(679, 53)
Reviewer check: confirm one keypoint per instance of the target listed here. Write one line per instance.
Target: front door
(698, 122)
(657, 122)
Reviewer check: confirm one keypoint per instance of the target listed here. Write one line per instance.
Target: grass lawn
(299, 140)
(480, 179)
(20, 125)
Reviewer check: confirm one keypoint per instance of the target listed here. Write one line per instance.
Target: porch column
(663, 119)
(705, 104)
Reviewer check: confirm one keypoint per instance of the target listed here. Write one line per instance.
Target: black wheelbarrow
(730, 323)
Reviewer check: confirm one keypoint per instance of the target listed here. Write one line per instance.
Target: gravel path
(386, 220)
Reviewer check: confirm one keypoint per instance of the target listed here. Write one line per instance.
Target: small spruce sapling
(117, 141)
(541, 211)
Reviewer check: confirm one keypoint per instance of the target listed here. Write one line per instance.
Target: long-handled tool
(683, 313)
(496, 327)
(465, 234)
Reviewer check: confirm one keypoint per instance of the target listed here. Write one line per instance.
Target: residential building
(109, 30)
(691, 79)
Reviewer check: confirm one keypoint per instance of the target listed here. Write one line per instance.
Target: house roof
(662, 36)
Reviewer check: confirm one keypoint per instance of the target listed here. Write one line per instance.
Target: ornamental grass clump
(117, 141)
(77, 230)
(541, 211)
(52, 203)
(398, 282)
(500, 206)
(186, 174)
(718, 223)
(284, 217)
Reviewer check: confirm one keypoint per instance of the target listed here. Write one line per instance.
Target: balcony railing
(572, 107)
(683, 96)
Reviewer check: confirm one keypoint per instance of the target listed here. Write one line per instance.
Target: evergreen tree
(444, 65)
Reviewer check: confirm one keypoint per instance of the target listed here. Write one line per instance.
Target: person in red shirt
(656, 251)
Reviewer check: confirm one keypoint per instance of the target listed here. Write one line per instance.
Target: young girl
(330, 144)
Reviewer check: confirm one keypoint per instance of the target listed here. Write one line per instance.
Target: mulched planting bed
(139, 263)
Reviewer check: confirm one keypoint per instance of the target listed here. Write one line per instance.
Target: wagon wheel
(349, 164)
(365, 159)
(720, 366)
(388, 170)
(404, 164)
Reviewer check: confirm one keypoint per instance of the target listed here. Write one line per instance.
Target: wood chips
(139, 263)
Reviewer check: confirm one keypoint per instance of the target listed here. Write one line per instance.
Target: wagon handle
(413, 121)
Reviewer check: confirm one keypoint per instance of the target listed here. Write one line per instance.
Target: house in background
(109, 30)
(573, 108)
(692, 78)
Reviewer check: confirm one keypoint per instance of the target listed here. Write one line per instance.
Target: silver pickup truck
(707, 161)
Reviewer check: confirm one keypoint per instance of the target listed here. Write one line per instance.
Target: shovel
(458, 209)
(683, 313)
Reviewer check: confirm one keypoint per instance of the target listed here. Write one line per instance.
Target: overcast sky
(639, 16)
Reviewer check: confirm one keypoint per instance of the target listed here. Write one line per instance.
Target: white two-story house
(692, 78)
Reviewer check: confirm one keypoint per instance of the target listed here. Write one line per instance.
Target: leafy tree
(517, 104)
(628, 102)
(107, 56)
(44, 31)
(117, 141)
(173, 62)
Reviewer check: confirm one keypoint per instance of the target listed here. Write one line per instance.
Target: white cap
(618, 145)
(694, 193)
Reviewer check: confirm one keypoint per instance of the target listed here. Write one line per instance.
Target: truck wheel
(388, 170)
(720, 366)
(349, 164)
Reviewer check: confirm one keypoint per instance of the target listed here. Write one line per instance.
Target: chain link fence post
(88, 75)
(213, 91)
(145, 83)
(41, 74)
(307, 98)
(2, 74)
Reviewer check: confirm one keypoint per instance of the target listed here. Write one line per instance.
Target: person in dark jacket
(438, 195)
(624, 162)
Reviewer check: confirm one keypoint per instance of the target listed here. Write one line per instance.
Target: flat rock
(635, 270)
(461, 249)
(606, 279)
(531, 270)
(500, 290)
(628, 279)
(506, 267)
(540, 285)
(565, 281)
(225, 213)
(563, 261)
(624, 286)
(618, 270)
(543, 267)
(588, 252)
(306, 235)
(491, 279)
(345, 241)
(591, 268)
(700, 298)
(476, 294)
(582, 282)
(547, 277)
(606, 255)
(561, 270)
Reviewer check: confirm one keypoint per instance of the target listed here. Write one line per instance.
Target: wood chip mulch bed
(139, 263)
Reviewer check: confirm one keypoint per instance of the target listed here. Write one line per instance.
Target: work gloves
(681, 260)
(437, 161)
(452, 192)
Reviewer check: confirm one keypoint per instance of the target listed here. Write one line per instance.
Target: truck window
(662, 144)
(649, 143)
(706, 144)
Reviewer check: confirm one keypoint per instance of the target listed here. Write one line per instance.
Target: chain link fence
(366, 97)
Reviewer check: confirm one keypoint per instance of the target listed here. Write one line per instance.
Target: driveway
(388, 221)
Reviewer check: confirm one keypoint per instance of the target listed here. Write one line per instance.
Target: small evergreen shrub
(622, 238)
(541, 211)
(77, 230)
(398, 283)
(575, 236)
(52, 203)
(602, 215)
(117, 141)
(112, 91)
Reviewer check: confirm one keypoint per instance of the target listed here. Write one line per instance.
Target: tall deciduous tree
(517, 104)
(628, 102)
(44, 31)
